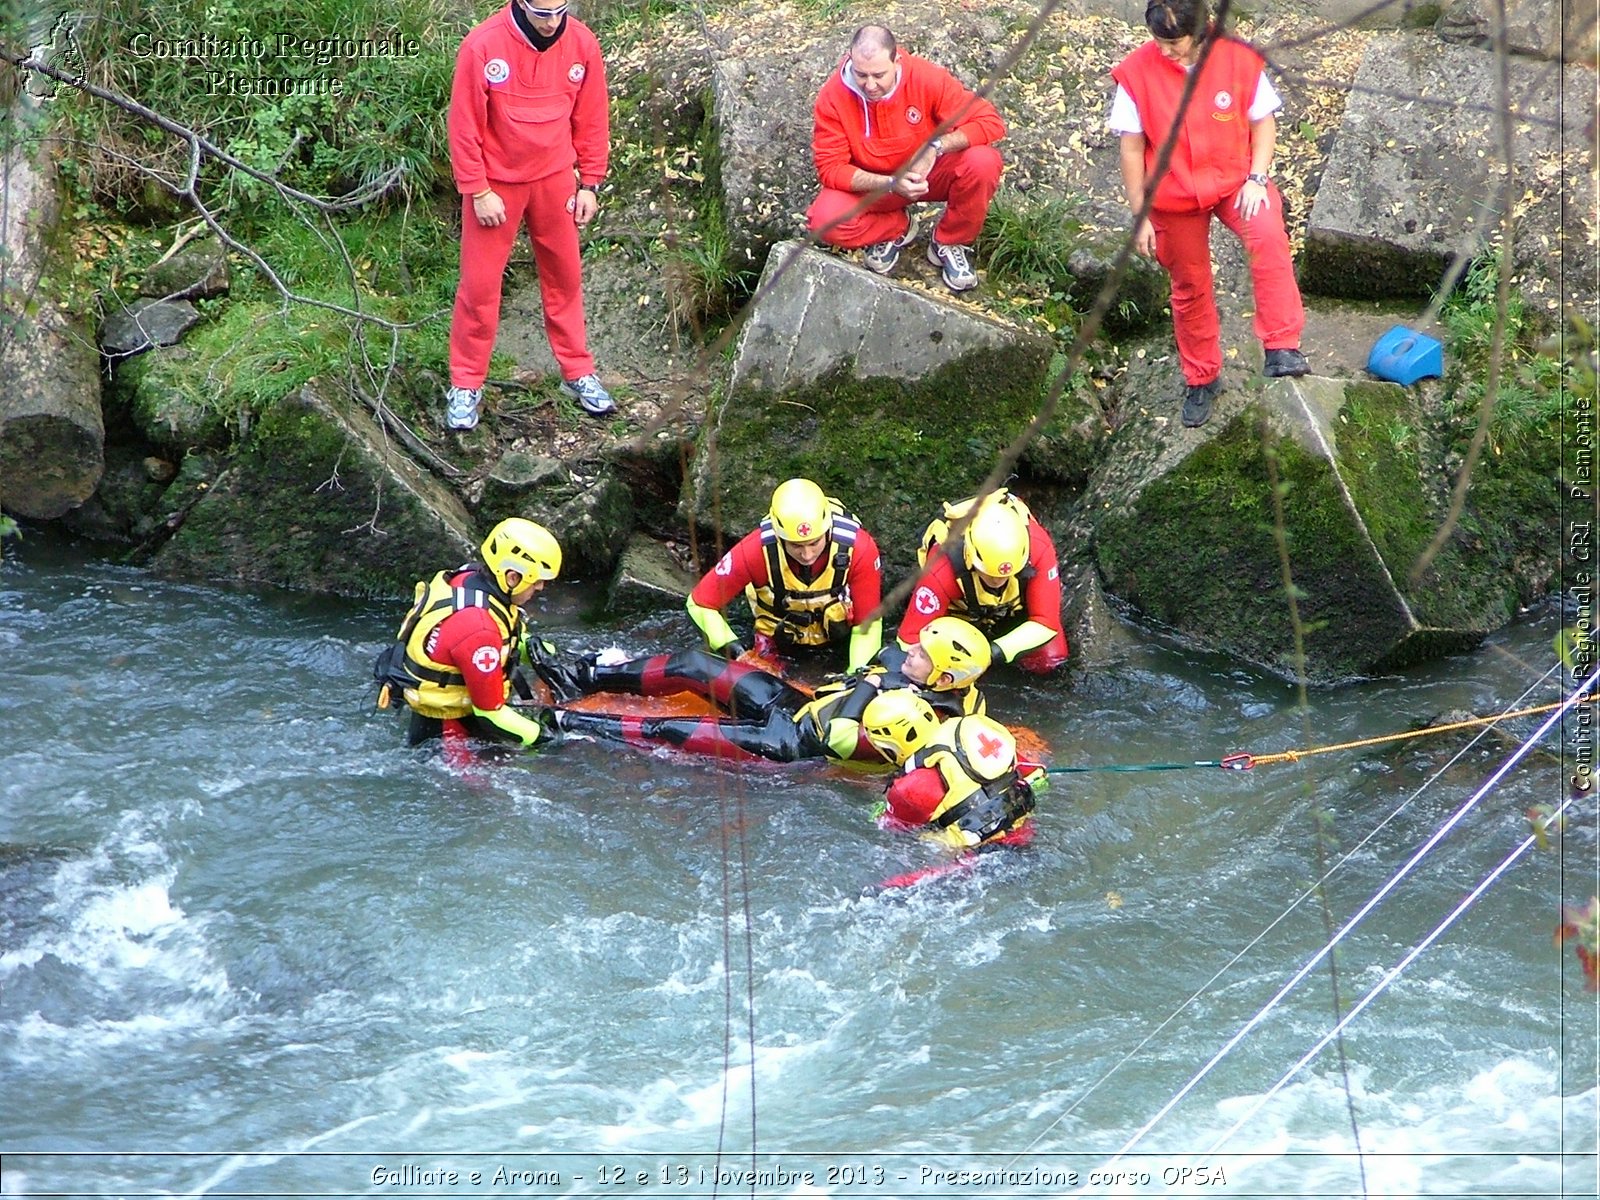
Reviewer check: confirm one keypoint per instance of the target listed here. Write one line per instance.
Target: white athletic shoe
(461, 407)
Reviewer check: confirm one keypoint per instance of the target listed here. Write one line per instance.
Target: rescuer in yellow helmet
(1000, 573)
(964, 784)
(454, 657)
(812, 576)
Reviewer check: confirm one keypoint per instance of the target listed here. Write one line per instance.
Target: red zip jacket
(850, 134)
(1212, 154)
(518, 114)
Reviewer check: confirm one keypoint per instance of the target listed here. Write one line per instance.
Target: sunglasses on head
(543, 14)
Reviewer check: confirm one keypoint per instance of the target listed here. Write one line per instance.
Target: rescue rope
(1244, 761)
(1522, 750)
(1134, 1052)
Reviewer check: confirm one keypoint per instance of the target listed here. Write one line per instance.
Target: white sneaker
(882, 256)
(957, 268)
(461, 407)
(590, 393)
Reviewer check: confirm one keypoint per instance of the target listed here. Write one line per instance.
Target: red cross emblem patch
(486, 659)
(803, 529)
(989, 746)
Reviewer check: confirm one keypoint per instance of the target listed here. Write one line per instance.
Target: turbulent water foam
(277, 930)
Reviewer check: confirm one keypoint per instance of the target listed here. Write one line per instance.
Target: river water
(251, 945)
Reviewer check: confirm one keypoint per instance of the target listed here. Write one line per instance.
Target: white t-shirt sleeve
(1124, 116)
(1124, 113)
(1267, 100)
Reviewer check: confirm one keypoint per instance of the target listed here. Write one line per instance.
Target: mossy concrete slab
(890, 399)
(1408, 185)
(322, 501)
(647, 579)
(1188, 535)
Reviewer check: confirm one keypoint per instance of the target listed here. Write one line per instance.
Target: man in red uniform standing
(1226, 137)
(891, 129)
(529, 144)
(1001, 574)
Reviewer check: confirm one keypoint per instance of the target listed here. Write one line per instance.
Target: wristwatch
(937, 146)
(1257, 177)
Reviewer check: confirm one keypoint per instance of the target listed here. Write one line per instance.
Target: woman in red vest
(1225, 137)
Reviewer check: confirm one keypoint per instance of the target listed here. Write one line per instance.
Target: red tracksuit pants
(966, 180)
(545, 207)
(1183, 247)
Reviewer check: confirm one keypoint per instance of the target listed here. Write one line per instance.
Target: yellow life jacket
(437, 689)
(845, 698)
(977, 602)
(806, 612)
(974, 810)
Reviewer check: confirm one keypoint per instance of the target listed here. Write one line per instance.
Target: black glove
(552, 730)
(567, 676)
(734, 649)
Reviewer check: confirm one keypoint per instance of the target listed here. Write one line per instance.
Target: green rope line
(1241, 762)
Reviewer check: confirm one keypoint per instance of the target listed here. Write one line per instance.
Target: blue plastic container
(1404, 356)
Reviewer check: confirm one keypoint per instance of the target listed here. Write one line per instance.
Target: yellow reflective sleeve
(844, 735)
(865, 641)
(511, 721)
(710, 622)
(1030, 635)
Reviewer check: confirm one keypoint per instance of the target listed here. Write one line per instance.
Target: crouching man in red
(891, 129)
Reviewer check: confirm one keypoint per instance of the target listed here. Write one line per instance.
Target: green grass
(342, 119)
(1031, 242)
(1533, 383)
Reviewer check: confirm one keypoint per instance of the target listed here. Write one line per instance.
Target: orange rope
(1297, 755)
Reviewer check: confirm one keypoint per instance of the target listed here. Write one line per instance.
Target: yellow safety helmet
(997, 541)
(800, 511)
(987, 746)
(956, 647)
(897, 723)
(517, 544)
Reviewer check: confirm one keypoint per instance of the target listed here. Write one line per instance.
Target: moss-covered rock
(891, 450)
(647, 578)
(1192, 545)
(890, 399)
(321, 500)
(593, 526)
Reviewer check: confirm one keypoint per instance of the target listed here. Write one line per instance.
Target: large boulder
(1185, 530)
(1550, 29)
(52, 433)
(892, 399)
(322, 500)
(1409, 185)
(647, 578)
(761, 102)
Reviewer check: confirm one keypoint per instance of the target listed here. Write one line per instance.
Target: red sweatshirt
(518, 114)
(1212, 154)
(850, 133)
